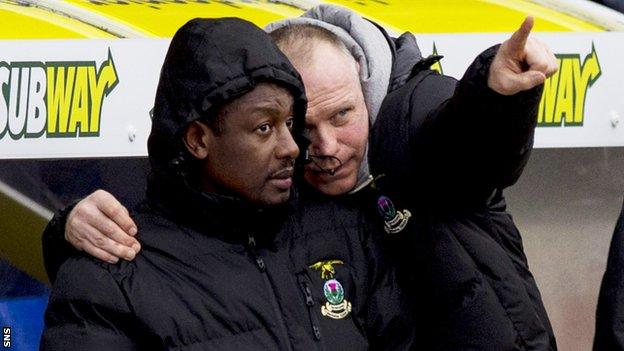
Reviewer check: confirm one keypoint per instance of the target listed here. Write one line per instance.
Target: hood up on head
(211, 62)
(368, 45)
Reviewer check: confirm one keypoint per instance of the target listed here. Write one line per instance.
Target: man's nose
(323, 142)
(286, 147)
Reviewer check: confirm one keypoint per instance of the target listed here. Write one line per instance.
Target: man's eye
(290, 123)
(342, 115)
(264, 129)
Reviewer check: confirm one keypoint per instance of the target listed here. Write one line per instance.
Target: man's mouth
(282, 179)
(282, 173)
(327, 172)
(324, 165)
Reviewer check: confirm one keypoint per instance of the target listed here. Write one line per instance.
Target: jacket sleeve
(56, 249)
(388, 314)
(88, 311)
(469, 139)
(610, 312)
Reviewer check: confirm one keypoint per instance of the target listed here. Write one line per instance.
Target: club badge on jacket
(394, 221)
(336, 307)
(326, 267)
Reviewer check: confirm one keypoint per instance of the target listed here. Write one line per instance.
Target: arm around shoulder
(56, 249)
(98, 225)
(88, 310)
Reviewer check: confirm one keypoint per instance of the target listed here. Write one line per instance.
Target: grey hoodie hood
(370, 48)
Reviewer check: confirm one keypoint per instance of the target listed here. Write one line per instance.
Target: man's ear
(196, 139)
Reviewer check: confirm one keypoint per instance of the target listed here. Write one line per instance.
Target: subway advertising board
(62, 99)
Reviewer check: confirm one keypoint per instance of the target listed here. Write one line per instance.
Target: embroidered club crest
(326, 268)
(386, 208)
(336, 307)
(394, 222)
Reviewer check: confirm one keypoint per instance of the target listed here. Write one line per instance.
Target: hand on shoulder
(101, 226)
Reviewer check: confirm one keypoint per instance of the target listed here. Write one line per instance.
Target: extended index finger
(518, 39)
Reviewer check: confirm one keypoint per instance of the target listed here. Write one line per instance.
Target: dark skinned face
(253, 154)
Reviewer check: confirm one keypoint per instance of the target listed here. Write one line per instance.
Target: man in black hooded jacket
(231, 259)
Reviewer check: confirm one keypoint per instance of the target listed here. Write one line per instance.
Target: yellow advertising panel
(465, 16)
(163, 18)
(27, 22)
(68, 19)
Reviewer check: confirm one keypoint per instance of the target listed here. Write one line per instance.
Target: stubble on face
(337, 118)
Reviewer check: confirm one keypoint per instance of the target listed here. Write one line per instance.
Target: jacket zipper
(251, 246)
(305, 288)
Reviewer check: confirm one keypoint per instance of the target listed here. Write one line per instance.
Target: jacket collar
(226, 217)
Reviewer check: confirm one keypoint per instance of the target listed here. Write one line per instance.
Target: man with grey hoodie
(459, 252)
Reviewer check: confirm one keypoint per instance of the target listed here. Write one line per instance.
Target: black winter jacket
(214, 272)
(224, 277)
(446, 150)
(610, 312)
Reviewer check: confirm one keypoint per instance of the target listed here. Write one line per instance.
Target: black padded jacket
(446, 150)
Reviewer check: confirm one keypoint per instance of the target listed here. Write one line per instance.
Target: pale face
(336, 120)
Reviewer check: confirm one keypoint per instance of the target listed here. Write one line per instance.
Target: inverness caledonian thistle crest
(336, 307)
(394, 221)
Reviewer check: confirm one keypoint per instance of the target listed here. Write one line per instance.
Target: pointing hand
(521, 62)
